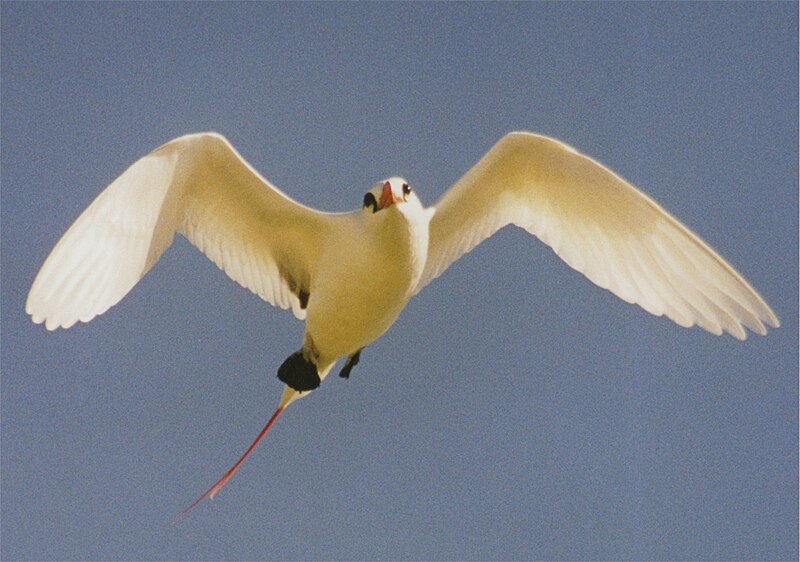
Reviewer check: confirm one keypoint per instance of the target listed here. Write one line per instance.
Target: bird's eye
(370, 201)
(406, 189)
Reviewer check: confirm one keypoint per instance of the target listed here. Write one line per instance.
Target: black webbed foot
(299, 373)
(351, 362)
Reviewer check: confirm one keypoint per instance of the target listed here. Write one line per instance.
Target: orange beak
(387, 197)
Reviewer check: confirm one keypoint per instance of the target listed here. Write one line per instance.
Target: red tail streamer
(212, 491)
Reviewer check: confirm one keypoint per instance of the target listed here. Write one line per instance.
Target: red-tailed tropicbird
(349, 275)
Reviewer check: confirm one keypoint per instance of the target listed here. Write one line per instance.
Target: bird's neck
(407, 234)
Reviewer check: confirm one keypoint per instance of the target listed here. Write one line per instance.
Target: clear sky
(515, 410)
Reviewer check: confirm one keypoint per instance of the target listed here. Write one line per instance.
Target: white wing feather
(601, 226)
(197, 185)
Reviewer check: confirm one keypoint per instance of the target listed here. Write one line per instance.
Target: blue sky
(515, 410)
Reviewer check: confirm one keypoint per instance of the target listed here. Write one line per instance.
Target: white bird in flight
(349, 275)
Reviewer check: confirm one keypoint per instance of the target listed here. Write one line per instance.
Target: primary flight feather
(349, 275)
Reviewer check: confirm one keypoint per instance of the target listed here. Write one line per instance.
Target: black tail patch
(299, 373)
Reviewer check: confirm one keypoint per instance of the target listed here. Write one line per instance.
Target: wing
(197, 185)
(601, 226)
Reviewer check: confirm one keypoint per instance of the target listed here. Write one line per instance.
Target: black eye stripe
(370, 201)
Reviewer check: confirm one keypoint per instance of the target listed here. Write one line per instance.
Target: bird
(349, 275)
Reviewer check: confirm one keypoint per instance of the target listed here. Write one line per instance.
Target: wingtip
(772, 320)
(763, 319)
(740, 334)
(50, 324)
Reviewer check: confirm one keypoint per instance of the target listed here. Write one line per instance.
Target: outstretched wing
(601, 226)
(197, 185)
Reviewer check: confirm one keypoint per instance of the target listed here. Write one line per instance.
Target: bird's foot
(299, 373)
(351, 362)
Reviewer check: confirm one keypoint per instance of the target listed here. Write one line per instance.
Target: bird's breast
(366, 277)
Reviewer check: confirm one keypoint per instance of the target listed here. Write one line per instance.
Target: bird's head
(389, 192)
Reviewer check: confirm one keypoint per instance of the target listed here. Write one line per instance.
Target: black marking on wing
(303, 296)
(296, 288)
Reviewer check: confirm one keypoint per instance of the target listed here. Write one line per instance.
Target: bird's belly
(364, 281)
(346, 318)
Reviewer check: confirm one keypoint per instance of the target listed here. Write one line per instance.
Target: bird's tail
(289, 395)
(299, 372)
